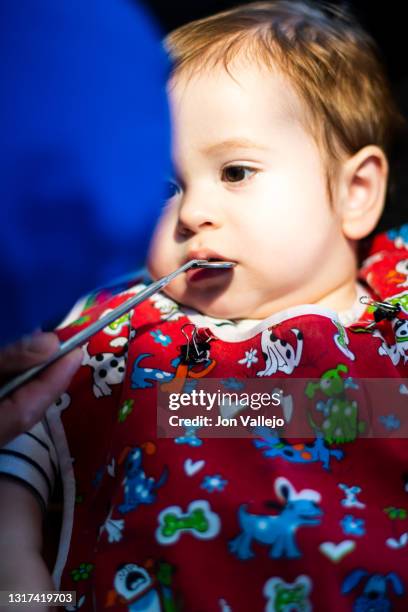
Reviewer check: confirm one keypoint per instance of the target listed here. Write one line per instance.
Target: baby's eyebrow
(232, 143)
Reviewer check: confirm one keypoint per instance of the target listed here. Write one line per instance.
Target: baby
(281, 119)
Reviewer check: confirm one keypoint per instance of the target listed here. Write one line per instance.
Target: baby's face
(249, 187)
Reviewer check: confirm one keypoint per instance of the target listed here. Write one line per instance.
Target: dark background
(387, 24)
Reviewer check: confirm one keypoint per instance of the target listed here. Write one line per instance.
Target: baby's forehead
(244, 94)
(244, 78)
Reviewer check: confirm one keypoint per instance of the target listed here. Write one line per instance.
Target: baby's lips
(205, 254)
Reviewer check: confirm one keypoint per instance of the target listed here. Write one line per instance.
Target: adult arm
(27, 405)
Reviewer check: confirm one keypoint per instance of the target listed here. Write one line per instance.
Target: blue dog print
(278, 532)
(138, 489)
(309, 452)
(374, 596)
(142, 378)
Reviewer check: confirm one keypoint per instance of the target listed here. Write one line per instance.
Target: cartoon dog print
(398, 351)
(305, 452)
(277, 531)
(137, 487)
(279, 354)
(144, 377)
(341, 420)
(135, 586)
(374, 596)
(108, 370)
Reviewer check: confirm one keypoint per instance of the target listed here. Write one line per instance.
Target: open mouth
(198, 275)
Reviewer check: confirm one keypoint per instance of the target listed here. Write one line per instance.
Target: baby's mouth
(195, 276)
(201, 275)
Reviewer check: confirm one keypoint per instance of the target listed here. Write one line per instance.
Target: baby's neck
(341, 298)
(346, 303)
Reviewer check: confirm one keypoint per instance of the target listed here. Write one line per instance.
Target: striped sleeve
(32, 459)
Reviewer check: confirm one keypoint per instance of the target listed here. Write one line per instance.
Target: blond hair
(330, 60)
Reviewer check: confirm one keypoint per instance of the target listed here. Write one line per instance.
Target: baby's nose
(196, 215)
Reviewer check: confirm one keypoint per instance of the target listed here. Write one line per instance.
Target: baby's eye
(236, 174)
(171, 188)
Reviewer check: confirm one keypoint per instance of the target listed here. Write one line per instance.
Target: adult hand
(26, 406)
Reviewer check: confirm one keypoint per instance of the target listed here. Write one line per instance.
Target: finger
(26, 406)
(27, 352)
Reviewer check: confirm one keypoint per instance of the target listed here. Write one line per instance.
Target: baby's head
(281, 116)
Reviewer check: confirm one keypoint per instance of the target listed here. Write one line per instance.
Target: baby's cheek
(158, 238)
(161, 256)
(154, 259)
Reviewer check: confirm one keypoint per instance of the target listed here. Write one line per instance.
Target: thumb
(28, 404)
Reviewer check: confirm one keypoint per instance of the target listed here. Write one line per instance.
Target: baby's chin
(220, 306)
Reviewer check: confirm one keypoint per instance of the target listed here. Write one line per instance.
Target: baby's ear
(361, 191)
